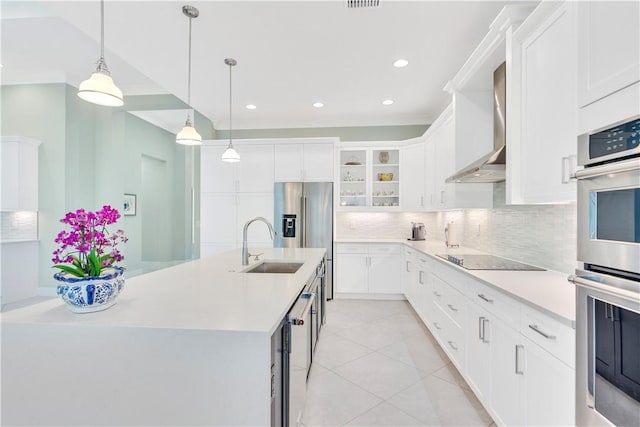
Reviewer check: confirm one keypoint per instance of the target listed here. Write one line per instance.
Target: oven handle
(617, 167)
(619, 287)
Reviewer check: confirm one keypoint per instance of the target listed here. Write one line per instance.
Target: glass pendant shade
(100, 89)
(188, 135)
(230, 155)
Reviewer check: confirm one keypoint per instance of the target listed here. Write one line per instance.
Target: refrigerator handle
(304, 222)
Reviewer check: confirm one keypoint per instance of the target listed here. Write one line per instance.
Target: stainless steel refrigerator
(303, 217)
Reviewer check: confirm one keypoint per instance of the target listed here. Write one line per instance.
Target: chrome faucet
(245, 251)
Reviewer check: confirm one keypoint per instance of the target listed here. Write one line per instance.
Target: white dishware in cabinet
(367, 182)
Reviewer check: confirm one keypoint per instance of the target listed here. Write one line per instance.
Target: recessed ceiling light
(318, 104)
(387, 102)
(250, 107)
(399, 63)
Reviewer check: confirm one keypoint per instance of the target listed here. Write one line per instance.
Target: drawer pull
(483, 298)
(518, 370)
(452, 345)
(437, 294)
(452, 308)
(436, 325)
(420, 277)
(547, 336)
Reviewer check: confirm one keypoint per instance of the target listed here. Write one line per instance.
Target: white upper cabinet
(19, 173)
(413, 179)
(304, 162)
(541, 107)
(256, 168)
(368, 177)
(608, 48)
(318, 162)
(253, 174)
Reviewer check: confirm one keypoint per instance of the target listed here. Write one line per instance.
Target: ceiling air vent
(363, 3)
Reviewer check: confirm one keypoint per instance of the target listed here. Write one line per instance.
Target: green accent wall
(91, 155)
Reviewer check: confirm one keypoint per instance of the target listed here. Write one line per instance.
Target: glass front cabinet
(369, 179)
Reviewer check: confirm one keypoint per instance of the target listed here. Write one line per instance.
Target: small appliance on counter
(418, 232)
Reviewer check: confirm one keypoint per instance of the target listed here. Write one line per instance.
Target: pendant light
(99, 88)
(230, 155)
(188, 135)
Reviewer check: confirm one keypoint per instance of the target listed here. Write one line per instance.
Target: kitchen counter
(548, 290)
(208, 294)
(188, 345)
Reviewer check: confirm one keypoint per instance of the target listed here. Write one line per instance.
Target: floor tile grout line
(359, 415)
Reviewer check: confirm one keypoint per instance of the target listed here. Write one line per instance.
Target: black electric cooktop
(487, 262)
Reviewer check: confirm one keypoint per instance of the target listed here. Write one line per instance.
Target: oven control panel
(619, 139)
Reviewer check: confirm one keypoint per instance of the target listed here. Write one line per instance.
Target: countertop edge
(413, 245)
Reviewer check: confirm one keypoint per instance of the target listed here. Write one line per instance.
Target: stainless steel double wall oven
(608, 282)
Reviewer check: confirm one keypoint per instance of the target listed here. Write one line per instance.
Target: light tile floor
(377, 365)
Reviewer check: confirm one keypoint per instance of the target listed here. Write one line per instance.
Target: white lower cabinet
(517, 360)
(416, 282)
(368, 268)
(478, 347)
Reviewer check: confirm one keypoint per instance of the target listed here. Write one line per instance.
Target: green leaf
(77, 263)
(71, 270)
(95, 263)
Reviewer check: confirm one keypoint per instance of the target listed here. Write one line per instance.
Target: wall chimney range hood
(491, 167)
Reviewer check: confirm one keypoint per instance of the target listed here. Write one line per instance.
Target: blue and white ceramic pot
(89, 294)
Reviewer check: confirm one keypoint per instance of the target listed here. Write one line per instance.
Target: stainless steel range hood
(491, 167)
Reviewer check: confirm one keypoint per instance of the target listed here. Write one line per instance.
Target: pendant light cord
(230, 110)
(102, 65)
(189, 78)
(102, 29)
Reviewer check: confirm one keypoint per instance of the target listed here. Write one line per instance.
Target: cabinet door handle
(544, 334)
(518, 370)
(437, 294)
(442, 197)
(421, 200)
(480, 329)
(431, 199)
(452, 345)
(452, 308)
(483, 298)
(408, 271)
(484, 330)
(420, 277)
(436, 325)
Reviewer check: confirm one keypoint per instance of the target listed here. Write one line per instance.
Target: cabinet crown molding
(509, 17)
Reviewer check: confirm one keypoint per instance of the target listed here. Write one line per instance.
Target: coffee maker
(418, 232)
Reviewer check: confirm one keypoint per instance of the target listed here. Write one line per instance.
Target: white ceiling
(290, 54)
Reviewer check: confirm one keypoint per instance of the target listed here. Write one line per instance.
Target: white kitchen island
(188, 345)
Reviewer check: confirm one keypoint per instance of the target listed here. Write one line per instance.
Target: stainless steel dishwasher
(297, 359)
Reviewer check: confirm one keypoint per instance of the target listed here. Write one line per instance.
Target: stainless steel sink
(275, 267)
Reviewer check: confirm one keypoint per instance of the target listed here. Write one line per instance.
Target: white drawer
(451, 301)
(495, 302)
(409, 252)
(352, 248)
(550, 334)
(449, 274)
(384, 249)
(451, 338)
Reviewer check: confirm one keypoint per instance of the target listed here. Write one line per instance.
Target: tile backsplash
(19, 226)
(543, 235)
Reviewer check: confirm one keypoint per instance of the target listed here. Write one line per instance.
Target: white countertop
(205, 294)
(547, 290)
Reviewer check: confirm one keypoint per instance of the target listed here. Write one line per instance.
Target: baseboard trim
(348, 295)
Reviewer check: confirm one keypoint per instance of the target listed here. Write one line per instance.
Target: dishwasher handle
(298, 319)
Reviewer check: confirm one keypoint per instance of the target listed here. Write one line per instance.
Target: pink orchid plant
(88, 247)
